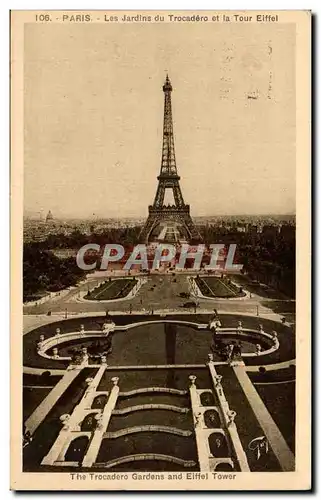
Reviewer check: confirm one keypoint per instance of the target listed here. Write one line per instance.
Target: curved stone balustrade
(124, 411)
(144, 390)
(146, 456)
(54, 341)
(197, 326)
(147, 428)
(223, 465)
(256, 334)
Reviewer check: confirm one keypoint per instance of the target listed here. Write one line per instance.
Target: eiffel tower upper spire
(176, 214)
(168, 166)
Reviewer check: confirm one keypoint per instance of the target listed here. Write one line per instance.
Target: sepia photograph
(160, 213)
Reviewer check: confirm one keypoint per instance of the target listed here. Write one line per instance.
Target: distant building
(49, 217)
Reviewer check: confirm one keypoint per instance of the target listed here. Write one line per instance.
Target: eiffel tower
(176, 216)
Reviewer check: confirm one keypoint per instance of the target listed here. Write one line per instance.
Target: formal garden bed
(215, 287)
(112, 289)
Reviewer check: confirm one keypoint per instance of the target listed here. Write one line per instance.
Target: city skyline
(94, 149)
(141, 218)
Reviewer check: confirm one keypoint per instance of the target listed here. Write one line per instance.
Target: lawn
(110, 290)
(277, 390)
(218, 287)
(32, 397)
(258, 288)
(148, 442)
(279, 399)
(173, 378)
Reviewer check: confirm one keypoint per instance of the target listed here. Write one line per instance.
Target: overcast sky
(94, 116)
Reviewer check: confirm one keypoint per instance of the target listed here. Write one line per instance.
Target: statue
(64, 419)
(231, 416)
(55, 353)
(84, 354)
(218, 379)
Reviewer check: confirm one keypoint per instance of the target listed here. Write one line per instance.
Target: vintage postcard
(160, 250)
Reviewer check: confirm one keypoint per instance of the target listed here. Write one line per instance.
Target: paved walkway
(31, 321)
(40, 413)
(161, 292)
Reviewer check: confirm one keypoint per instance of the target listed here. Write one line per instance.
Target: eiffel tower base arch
(169, 215)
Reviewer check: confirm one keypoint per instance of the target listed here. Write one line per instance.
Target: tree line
(267, 258)
(44, 272)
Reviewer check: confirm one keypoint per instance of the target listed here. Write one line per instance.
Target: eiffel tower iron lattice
(177, 213)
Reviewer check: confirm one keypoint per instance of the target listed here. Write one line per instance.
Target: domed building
(49, 217)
